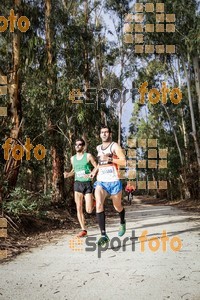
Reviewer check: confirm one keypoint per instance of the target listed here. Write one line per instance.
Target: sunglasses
(77, 145)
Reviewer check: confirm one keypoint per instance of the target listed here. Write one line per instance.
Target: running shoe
(82, 233)
(104, 239)
(122, 229)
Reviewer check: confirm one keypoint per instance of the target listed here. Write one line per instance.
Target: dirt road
(123, 271)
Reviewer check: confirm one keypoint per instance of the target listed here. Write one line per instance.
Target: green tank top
(81, 167)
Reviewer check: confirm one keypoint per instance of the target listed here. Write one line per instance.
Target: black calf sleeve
(122, 216)
(101, 221)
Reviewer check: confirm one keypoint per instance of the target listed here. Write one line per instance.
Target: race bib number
(107, 170)
(80, 173)
(107, 174)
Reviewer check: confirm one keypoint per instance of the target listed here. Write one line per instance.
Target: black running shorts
(83, 187)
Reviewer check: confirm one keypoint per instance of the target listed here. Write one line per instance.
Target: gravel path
(56, 271)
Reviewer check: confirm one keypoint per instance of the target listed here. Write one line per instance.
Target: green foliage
(22, 201)
(75, 35)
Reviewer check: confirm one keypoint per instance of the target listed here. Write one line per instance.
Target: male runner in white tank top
(110, 157)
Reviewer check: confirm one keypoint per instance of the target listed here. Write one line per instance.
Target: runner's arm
(68, 174)
(121, 160)
(94, 171)
(93, 162)
(71, 173)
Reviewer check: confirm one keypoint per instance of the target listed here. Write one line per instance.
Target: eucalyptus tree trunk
(86, 61)
(196, 63)
(185, 138)
(55, 138)
(194, 132)
(12, 166)
(98, 64)
(175, 135)
(121, 79)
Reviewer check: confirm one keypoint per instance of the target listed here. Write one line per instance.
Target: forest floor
(187, 205)
(33, 232)
(55, 266)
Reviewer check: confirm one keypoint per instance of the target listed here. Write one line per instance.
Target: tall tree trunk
(120, 121)
(98, 59)
(196, 63)
(194, 135)
(175, 136)
(56, 142)
(12, 166)
(121, 78)
(86, 66)
(185, 138)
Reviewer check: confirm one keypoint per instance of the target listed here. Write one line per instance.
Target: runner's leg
(117, 203)
(100, 196)
(89, 203)
(129, 200)
(79, 207)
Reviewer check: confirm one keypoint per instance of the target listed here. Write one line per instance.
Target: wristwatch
(110, 159)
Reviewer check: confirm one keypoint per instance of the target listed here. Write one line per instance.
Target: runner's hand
(91, 175)
(86, 176)
(66, 174)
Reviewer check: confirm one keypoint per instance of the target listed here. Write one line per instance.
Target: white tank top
(108, 172)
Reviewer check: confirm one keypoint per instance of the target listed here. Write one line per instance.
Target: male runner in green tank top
(82, 163)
